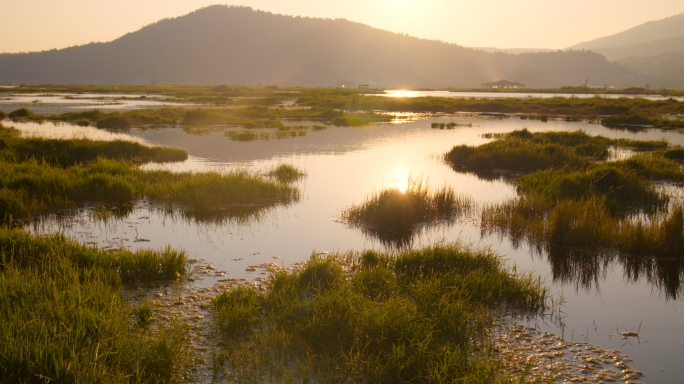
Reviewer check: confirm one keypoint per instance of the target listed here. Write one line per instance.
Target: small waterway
(603, 296)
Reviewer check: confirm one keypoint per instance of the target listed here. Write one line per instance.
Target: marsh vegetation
(394, 215)
(573, 198)
(382, 317)
(96, 174)
(65, 320)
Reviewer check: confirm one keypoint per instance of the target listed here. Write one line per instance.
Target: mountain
(651, 38)
(663, 70)
(513, 50)
(238, 45)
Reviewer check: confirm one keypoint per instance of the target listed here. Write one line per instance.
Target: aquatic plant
(394, 209)
(399, 317)
(286, 173)
(74, 151)
(64, 317)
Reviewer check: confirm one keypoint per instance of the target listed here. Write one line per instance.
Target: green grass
(571, 198)
(394, 215)
(286, 173)
(14, 148)
(64, 319)
(401, 317)
(283, 132)
(451, 125)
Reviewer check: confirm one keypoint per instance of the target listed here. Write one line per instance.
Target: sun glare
(401, 180)
(403, 3)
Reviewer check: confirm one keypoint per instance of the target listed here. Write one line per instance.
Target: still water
(344, 165)
(506, 95)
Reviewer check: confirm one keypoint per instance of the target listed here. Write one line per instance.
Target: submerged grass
(64, 319)
(401, 317)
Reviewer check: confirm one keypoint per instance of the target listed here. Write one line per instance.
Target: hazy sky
(31, 25)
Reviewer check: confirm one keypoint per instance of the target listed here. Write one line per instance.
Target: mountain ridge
(239, 45)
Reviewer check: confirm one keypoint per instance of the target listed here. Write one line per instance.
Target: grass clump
(64, 318)
(451, 125)
(246, 135)
(396, 213)
(401, 317)
(286, 173)
(359, 119)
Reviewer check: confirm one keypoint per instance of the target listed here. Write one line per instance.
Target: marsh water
(343, 165)
(505, 95)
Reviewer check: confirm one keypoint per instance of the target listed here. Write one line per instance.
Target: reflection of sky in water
(504, 95)
(343, 166)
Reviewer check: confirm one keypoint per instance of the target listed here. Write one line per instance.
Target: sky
(35, 25)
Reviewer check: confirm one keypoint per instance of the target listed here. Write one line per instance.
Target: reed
(64, 318)
(286, 173)
(74, 151)
(399, 317)
(393, 209)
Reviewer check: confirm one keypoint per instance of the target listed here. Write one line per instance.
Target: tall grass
(393, 208)
(33, 187)
(74, 151)
(286, 173)
(589, 224)
(64, 320)
(403, 317)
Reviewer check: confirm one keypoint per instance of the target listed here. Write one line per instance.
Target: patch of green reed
(25, 114)
(524, 151)
(247, 135)
(286, 173)
(513, 155)
(64, 319)
(623, 189)
(400, 317)
(359, 119)
(394, 209)
(74, 151)
(33, 187)
(674, 154)
(587, 223)
(451, 125)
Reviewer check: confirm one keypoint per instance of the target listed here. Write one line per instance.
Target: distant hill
(513, 50)
(238, 45)
(663, 70)
(652, 38)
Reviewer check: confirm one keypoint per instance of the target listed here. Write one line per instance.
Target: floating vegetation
(284, 132)
(64, 318)
(371, 317)
(451, 125)
(394, 214)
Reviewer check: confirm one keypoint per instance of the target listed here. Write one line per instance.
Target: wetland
(324, 257)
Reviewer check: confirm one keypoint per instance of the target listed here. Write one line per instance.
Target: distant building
(363, 86)
(505, 84)
(346, 84)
